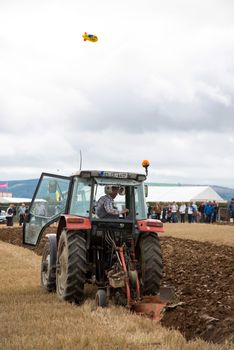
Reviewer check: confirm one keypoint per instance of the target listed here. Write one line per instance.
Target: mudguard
(150, 225)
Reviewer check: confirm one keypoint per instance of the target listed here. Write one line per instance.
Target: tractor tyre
(150, 263)
(71, 266)
(101, 298)
(48, 264)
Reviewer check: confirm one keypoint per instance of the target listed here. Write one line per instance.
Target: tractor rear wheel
(48, 264)
(71, 266)
(150, 263)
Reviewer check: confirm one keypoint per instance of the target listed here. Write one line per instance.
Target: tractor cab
(76, 198)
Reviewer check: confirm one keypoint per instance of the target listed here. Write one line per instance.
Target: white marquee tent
(9, 200)
(185, 194)
(16, 200)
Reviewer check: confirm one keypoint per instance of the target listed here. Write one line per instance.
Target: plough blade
(152, 306)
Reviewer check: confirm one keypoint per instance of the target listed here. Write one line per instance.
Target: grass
(218, 234)
(31, 318)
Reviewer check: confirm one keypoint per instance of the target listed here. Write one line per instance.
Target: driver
(105, 206)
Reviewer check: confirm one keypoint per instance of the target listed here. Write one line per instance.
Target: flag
(4, 185)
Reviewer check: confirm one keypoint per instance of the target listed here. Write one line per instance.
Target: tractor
(121, 255)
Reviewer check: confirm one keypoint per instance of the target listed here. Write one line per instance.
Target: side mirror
(146, 190)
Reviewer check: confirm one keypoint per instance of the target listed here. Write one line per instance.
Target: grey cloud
(132, 114)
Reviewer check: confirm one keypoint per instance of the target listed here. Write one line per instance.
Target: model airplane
(90, 37)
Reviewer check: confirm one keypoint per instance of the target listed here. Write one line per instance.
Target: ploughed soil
(203, 277)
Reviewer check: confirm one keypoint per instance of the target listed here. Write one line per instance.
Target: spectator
(215, 211)
(198, 217)
(174, 209)
(201, 211)
(231, 210)
(26, 214)
(208, 210)
(169, 213)
(157, 211)
(182, 212)
(190, 213)
(164, 214)
(195, 216)
(40, 213)
(149, 212)
(21, 212)
(153, 214)
(40, 209)
(10, 214)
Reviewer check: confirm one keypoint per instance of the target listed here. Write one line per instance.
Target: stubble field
(201, 272)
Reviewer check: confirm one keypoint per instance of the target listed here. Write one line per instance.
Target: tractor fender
(72, 222)
(52, 238)
(150, 225)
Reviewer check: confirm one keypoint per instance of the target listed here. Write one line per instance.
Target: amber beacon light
(145, 163)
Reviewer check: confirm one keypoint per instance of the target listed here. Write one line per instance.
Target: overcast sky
(158, 85)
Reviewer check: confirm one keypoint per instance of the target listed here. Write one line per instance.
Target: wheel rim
(62, 269)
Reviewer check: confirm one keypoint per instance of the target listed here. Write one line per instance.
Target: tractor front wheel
(71, 266)
(101, 298)
(150, 263)
(48, 264)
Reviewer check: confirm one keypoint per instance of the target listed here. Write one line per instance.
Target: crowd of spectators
(205, 212)
(12, 211)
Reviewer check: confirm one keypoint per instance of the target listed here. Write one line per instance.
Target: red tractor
(120, 254)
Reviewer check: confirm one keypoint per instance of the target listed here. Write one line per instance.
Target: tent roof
(182, 194)
(9, 200)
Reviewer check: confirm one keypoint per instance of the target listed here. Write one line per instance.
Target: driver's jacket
(105, 207)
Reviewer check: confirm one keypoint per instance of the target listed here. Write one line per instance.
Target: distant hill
(21, 188)
(26, 188)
